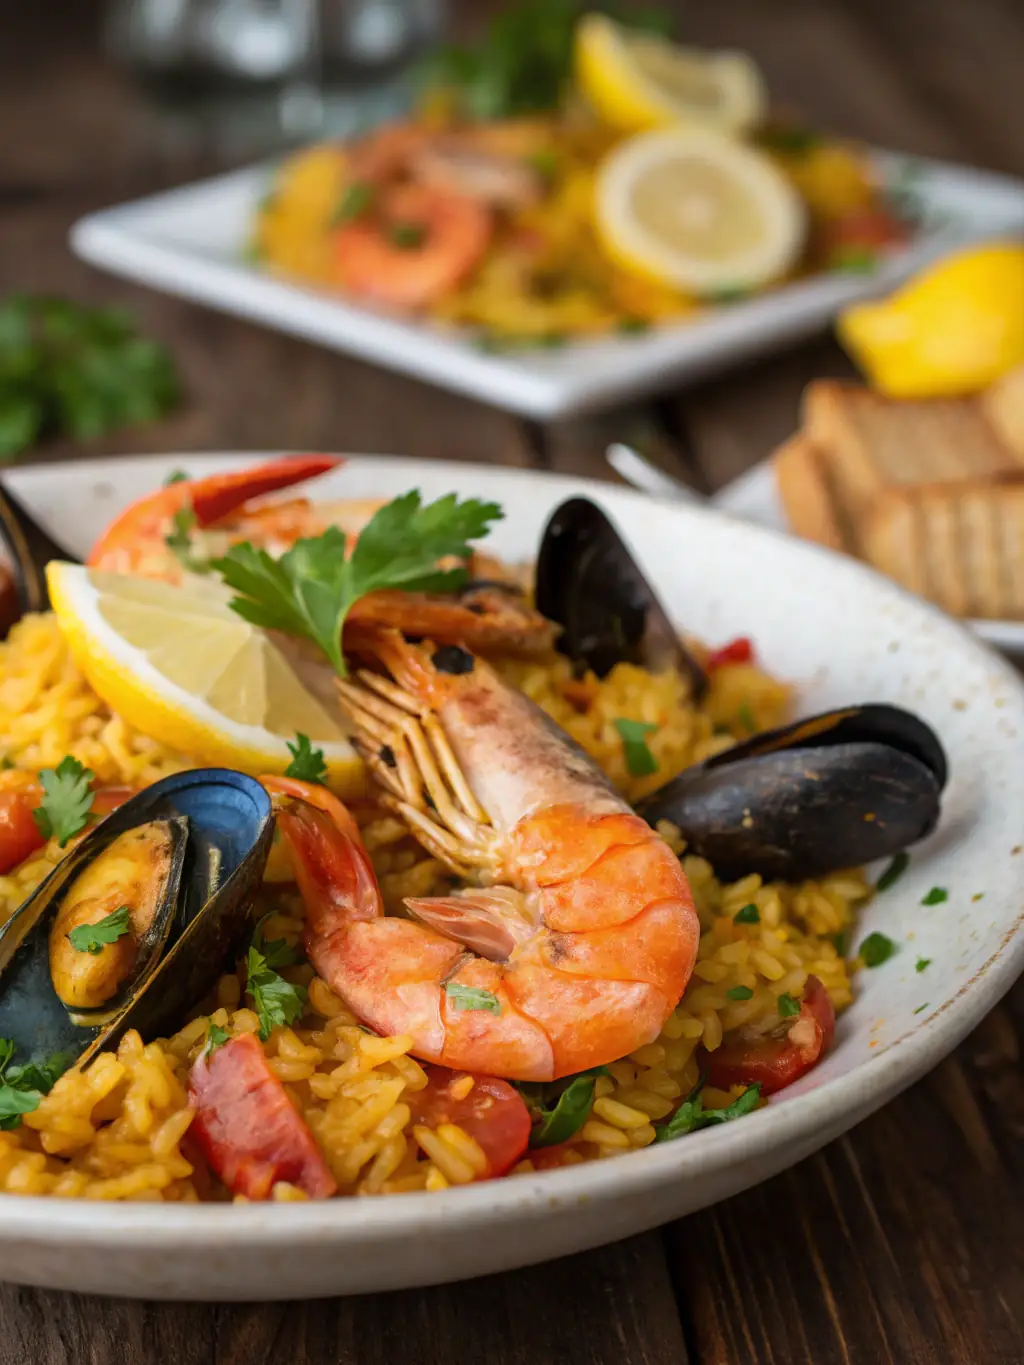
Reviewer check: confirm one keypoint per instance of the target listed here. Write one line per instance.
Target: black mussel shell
(827, 793)
(27, 549)
(588, 583)
(229, 825)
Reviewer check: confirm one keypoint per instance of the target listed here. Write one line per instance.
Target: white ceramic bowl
(841, 634)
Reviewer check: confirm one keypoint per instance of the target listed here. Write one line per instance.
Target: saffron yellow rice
(119, 1130)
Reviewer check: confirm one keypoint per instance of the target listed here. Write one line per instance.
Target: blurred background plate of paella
(575, 209)
(305, 898)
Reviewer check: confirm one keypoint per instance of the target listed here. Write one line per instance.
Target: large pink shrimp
(581, 934)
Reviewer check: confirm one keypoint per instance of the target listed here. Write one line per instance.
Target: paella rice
(120, 1129)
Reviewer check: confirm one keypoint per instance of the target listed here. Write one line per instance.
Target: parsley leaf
(354, 202)
(175, 476)
(787, 1005)
(935, 896)
(22, 1087)
(748, 915)
(277, 1001)
(91, 938)
(471, 998)
(739, 993)
(67, 802)
(639, 759)
(80, 371)
(921, 1008)
(179, 542)
(692, 1115)
(215, 1037)
(407, 236)
(922, 963)
(307, 763)
(310, 589)
(893, 872)
(278, 952)
(569, 1112)
(876, 949)
(745, 716)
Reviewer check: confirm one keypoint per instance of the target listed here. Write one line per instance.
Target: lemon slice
(187, 671)
(698, 211)
(635, 81)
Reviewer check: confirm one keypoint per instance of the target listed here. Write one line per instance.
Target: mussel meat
(134, 925)
(830, 792)
(588, 582)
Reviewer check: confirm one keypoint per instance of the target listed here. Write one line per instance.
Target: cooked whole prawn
(580, 935)
(488, 612)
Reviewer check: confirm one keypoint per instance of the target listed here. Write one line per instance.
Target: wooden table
(902, 1241)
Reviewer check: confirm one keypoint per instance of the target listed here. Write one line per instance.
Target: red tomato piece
(739, 651)
(248, 1129)
(19, 833)
(774, 1063)
(494, 1113)
(864, 232)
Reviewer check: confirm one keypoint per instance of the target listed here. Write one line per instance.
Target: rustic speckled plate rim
(798, 1124)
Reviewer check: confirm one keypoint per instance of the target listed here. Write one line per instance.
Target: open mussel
(589, 583)
(134, 924)
(25, 550)
(834, 791)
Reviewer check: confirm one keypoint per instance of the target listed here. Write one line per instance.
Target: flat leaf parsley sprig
(310, 590)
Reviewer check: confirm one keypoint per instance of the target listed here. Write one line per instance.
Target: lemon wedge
(188, 672)
(697, 210)
(635, 81)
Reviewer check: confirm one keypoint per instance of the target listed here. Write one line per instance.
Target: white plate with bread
(929, 491)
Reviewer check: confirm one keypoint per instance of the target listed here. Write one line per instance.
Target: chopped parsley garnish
(841, 942)
(308, 591)
(175, 476)
(935, 896)
(876, 949)
(787, 1006)
(639, 760)
(692, 1115)
(746, 718)
(545, 162)
(920, 1008)
(307, 763)
(354, 202)
(922, 964)
(407, 236)
(278, 952)
(748, 915)
(893, 872)
(22, 1087)
(179, 542)
(67, 802)
(854, 260)
(978, 895)
(472, 998)
(739, 993)
(216, 1037)
(569, 1113)
(632, 326)
(93, 938)
(277, 1001)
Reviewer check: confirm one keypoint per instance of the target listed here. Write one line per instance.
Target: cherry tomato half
(774, 1063)
(739, 651)
(19, 833)
(248, 1129)
(493, 1112)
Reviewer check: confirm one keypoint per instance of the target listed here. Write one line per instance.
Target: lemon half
(635, 81)
(185, 670)
(697, 210)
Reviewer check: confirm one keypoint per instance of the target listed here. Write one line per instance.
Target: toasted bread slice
(959, 544)
(874, 443)
(802, 479)
(1003, 406)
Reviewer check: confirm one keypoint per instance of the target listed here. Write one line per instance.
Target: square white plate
(754, 497)
(190, 241)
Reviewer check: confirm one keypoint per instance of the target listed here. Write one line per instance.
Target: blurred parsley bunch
(67, 369)
(522, 62)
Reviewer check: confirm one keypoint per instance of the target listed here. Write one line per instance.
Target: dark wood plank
(609, 1307)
